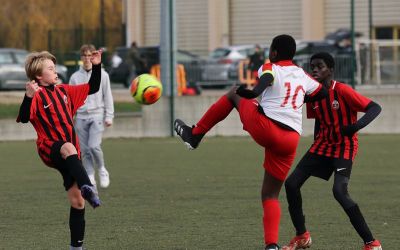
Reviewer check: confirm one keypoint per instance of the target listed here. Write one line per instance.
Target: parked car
(121, 70)
(311, 47)
(342, 55)
(221, 68)
(12, 69)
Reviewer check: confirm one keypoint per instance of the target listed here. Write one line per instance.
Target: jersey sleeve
(34, 106)
(312, 86)
(28, 107)
(266, 68)
(310, 111)
(77, 94)
(356, 101)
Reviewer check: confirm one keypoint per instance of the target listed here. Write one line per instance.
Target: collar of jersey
(50, 87)
(285, 63)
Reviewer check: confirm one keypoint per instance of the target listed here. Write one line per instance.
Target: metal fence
(63, 42)
(379, 62)
(343, 67)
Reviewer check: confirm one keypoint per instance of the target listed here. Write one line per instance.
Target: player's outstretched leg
(185, 132)
(375, 245)
(302, 241)
(89, 194)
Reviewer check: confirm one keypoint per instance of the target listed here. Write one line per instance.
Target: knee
(94, 148)
(339, 192)
(77, 202)
(291, 185)
(85, 152)
(231, 93)
(68, 149)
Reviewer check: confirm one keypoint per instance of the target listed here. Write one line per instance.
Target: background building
(203, 25)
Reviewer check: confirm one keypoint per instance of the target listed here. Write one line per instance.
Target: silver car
(221, 67)
(12, 69)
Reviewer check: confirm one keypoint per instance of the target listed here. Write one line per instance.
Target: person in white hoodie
(91, 119)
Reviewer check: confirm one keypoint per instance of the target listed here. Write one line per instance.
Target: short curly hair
(285, 46)
(34, 63)
(326, 57)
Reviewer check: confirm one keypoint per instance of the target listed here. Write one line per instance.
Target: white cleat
(104, 178)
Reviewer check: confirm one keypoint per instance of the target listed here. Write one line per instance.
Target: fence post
(123, 33)
(27, 37)
(81, 35)
(353, 59)
(49, 40)
(102, 25)
(78, 36)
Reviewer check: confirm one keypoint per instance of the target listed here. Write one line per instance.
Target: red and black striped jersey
(52, 111)
(334, 112)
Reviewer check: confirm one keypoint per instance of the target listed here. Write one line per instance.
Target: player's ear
(273, 54)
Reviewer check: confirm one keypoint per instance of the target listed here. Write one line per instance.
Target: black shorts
(59, 164)
(323, 167)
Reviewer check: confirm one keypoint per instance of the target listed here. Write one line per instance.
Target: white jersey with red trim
(283, 100)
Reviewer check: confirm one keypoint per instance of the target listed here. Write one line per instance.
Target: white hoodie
(99, 105)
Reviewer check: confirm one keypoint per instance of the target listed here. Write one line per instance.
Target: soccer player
(50, 108)
(333, 150)
(274, 122)
(92, 117)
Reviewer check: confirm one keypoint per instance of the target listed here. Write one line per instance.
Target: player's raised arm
(25, 108)
(95, 78)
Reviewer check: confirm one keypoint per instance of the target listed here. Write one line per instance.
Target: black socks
(76, 169)
(359, 224)
(77, 226)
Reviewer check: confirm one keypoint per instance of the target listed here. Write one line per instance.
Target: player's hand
(31, 88)
(349, 130)
(96, 57)
(244, 92)
(108, 123)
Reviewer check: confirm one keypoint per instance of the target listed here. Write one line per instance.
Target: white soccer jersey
(283, 100)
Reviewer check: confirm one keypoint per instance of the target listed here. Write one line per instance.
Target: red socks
(272, 217)
(216, 113)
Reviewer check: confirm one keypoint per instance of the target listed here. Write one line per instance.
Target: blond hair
(87, 47)
(35, 61)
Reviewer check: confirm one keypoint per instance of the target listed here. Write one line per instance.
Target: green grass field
(163, 196)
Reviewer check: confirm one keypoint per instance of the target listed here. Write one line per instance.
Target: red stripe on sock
(271, 220)
(216, 113)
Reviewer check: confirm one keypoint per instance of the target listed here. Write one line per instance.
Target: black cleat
(185, 132)
(272, 247)
(89, 194)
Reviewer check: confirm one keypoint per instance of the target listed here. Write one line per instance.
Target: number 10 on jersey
(293, 97)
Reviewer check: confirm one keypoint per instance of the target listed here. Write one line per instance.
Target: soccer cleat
(185, 132)
(89, 194)
(375, 245)
(302, 241)
(104, 178)
(272, 247)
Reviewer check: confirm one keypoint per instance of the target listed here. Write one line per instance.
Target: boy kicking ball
(51, 108)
